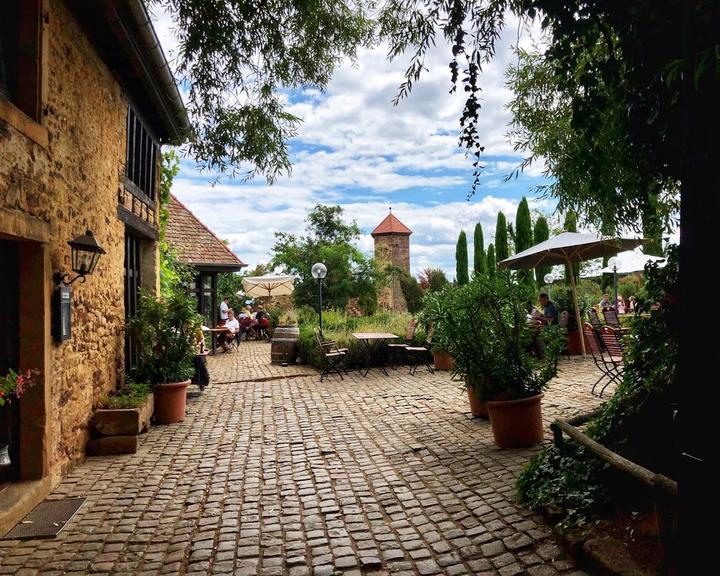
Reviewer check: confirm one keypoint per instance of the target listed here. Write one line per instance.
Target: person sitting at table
(232, 327)
(550, 313)
(631, 304)
(605, 302)
(224, 308)
(263, 321)
(620, 304)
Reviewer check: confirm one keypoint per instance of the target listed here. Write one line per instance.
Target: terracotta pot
(573, 343)
(477, 407)
(516, 423)
(443, 361)
(170, 402)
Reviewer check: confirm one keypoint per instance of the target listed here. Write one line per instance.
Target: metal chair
(421, 353)
(333, 356)
(397, 351)
(611, 317)
(603, 361)
(594, 319)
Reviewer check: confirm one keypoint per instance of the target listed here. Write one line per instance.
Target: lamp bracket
(65, 280)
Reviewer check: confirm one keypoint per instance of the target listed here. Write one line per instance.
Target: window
(20, 29)
(140, 158)
(132, 292)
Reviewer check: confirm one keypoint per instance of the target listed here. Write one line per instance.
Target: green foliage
(461, 260)
(490, 260)
(328, 239)
(479, 254)
(483, 325)
(164, 333)
(133, 395)
(501, 238)
(524, 240)
(636, 422)
(411, 291)
(228, 284)
(632, 285)
(588, 294)
(339, 326)
(436, 280)
(540, 234)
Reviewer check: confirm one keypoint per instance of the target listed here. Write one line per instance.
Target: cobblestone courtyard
(274, 473)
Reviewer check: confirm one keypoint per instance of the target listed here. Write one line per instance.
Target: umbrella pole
(578, 320)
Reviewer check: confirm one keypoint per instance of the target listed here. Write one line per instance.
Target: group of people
(246, 322)
(621, 307)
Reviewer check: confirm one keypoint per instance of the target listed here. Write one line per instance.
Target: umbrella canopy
(567, 248)
(259, 286)
(632, 262)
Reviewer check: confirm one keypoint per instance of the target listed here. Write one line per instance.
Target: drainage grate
(45, 520)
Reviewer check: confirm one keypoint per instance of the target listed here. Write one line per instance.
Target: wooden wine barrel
(284, 347)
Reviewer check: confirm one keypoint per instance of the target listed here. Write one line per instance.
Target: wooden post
(578, 320)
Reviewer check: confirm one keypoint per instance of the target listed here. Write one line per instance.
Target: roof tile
(391, 225)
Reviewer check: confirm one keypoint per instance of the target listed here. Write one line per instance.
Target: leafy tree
(461, 259)
(411, 291)
(524, 240)
(433, 279)
(501, 238)
(327, 239)
(479, 253)
(490, 259)
(540, 234)
(571, 226)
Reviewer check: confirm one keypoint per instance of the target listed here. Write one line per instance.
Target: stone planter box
(117, 428)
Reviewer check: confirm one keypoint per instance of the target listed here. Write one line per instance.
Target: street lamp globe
(318, 270)
(613, 262)
(548, 278)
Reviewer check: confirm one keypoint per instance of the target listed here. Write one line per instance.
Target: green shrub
(588, 294)
(412, 292)
(133, 395)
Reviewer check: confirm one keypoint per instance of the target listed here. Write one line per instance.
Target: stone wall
(72, 183)
(393, 250)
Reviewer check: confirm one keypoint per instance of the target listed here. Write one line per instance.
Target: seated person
(620, 305)
(631, 303)
(263, 321)
(232, 327)
(550, 313)
(605, 302)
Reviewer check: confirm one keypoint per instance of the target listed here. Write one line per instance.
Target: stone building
(392, 248)
(195, 244)
(86, 101)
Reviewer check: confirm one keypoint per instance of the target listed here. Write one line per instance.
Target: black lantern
(85, 255)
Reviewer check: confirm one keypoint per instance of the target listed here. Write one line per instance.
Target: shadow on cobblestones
(288, 476)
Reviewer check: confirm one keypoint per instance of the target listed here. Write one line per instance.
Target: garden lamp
(85, 255)
(613, 262)
(548, 278)
(319, 271)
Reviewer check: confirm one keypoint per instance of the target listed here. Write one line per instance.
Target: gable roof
(391, 225)
(195, 243)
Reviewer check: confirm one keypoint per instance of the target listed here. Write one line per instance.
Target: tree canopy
(479, 252)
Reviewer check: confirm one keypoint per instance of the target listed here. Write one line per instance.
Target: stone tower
(392, 247)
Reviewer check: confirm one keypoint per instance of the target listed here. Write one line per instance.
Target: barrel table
(284, 347)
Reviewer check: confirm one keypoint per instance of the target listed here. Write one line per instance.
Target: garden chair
(330, 343)
(421, 354)
(334, 357)
(397, 351)
(611, 317)
(601, 359)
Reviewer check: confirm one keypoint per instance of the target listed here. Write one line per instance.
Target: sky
(357, 150)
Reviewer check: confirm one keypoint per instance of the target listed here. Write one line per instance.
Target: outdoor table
(371, 343)
(213, 336)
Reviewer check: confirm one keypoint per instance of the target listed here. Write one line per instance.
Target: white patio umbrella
(268, 286)
(567, 248)
(628, 262)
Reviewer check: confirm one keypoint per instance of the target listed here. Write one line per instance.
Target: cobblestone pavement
(288, 476)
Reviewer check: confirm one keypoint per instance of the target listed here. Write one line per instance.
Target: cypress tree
(461, 260)
(541, 233)
(571, 226)
(524, 239)
(501, 238)
(479, 255)
(490, 261)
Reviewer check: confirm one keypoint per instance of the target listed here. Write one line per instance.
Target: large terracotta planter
(443, 361)
(477, 407)
(516, 423)
(170, 402)
(573, 343)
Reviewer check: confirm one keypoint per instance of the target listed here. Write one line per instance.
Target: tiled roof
(391, 225)
(194, 242)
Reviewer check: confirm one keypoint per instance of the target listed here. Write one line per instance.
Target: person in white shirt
(224, 308)
(233, 327)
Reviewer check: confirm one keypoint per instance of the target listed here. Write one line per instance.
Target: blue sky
(355, 149)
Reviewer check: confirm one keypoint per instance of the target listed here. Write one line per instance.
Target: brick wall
(393, 250)
(72, 183)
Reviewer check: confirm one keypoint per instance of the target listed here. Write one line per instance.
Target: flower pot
(170, 402)
(443, 361)
(573, 343)
(477, 407)
(516, 423)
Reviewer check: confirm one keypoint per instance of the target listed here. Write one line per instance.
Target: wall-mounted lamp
(85, 255)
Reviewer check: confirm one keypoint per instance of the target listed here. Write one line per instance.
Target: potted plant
(12, 387)
(432, 310)
(562, 297)
(484, 325)
(164, 334)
